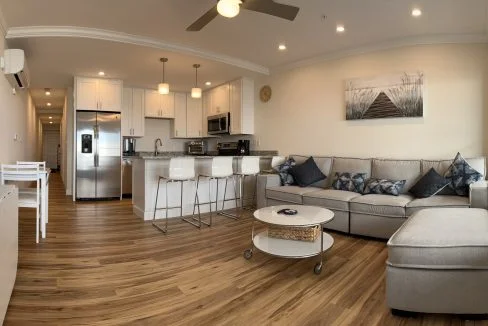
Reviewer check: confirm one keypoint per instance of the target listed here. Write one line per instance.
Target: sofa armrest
(478, 194)
(264, 181)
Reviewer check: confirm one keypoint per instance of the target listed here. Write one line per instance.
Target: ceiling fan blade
(204, 20)
(271, 8)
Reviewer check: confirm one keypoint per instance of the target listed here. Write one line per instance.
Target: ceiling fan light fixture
(229, 8)
(163, 87)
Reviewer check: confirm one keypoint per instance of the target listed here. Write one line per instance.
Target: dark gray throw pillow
(347, 181)
(284, 172)
(383, 186)
(460, 175)
(307, 173)
(429, 185)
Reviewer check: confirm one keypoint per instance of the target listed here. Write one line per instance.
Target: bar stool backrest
(181, 168)
(277, 160)
(222, 166)
(248, 165)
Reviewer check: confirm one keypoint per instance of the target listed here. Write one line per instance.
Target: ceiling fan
(230, 8)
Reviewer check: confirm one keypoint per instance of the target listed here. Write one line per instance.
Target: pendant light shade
(163, 87)
(196, 92)
(228, 8)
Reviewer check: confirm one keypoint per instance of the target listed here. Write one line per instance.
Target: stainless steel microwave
(218, 124)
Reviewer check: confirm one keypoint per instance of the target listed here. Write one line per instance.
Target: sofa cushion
(461, 175)
(429, 185)
(408, 170)
(382, 205)
(330, 198)
(291, 194)
(383, 186)
(284, 172)
(436, 201)
(323, 162)
(307, 173)
(442, 238)
(351, 165)
(441, 166)
(349, 181)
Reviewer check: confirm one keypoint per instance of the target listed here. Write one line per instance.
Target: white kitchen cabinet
(178, 127)
(133, 112)
(194, 119)
(220, 99)
(242, 107)
(168, 106)
(94, 94)
(159, 106)
(109, 95)
(152, 104)
(206, 108)
(86, 94)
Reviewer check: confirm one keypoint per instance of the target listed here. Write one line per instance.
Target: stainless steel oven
(218, 124)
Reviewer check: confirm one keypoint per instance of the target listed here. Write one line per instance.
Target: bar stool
(216, 168)
(247, 166)
(179, 169)
(275, 162)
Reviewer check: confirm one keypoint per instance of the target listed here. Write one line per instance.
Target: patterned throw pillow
(349, 181)
(460, 175)
(283, 171)
(383, 186)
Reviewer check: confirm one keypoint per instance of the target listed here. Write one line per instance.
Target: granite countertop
(168, 155)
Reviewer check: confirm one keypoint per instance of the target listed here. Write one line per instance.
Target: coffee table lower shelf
(291, 248)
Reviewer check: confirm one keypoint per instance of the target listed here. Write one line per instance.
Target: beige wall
(306, 114)
(158, 128)
(18, 117)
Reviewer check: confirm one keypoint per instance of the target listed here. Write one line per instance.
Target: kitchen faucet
(156, 146)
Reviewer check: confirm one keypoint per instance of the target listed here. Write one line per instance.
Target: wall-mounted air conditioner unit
(15, 68)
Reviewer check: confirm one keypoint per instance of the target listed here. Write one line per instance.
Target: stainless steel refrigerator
(98, 161)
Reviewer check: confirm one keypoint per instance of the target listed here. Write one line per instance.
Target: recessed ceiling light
(50, 122)
(282, 47)
(47, 92)
(49, 104)
(340, 29)
(50, 117)
(101, 73)
(416, 12)
(208, 83)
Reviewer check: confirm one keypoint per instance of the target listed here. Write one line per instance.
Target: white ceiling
(250, 36)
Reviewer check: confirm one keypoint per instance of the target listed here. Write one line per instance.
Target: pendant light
(163, 87)
(228, 8)
(196, 92)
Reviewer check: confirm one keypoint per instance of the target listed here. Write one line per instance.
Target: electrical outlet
(258, 143)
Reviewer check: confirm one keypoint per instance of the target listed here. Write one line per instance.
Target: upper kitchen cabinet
(242, 107)
(94, 94)
(194, 120)
(178, 127)
(220, 97)
(159, 106)
(133, 112)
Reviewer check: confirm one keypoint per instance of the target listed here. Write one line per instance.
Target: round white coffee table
(307, 216)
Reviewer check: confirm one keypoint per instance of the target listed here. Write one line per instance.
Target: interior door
(108, 160)
(85, 155)
(50, 144)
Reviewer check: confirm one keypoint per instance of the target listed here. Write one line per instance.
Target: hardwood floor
(101, 265)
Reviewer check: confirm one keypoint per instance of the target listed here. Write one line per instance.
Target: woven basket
(294, 233)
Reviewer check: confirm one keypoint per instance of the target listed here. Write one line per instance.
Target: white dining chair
(28, 199)
(44, 194)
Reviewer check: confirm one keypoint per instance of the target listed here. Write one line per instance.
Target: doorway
(51, 148)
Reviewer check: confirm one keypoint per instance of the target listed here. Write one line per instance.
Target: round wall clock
(265, 93)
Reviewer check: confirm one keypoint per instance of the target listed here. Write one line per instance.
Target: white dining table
(44, 179)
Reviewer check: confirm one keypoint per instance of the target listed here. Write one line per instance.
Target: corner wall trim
(108, 35)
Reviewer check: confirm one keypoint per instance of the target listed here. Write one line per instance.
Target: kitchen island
(146, 170)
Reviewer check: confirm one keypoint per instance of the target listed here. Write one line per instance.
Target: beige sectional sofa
(371, 215)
